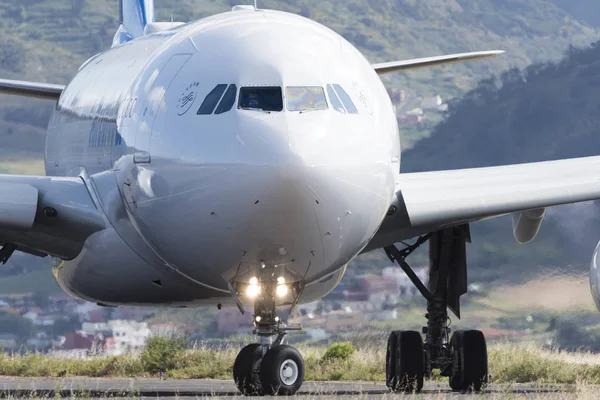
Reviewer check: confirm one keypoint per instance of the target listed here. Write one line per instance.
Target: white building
(416, 111)
(120, 336)
(431, 103)
(39, 320)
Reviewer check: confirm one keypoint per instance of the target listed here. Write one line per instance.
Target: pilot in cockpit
(252, 100)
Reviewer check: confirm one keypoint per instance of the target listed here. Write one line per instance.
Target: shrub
(162, 353)
(339, 351)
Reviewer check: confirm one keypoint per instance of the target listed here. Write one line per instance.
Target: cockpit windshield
(264, 98)
(305, 98)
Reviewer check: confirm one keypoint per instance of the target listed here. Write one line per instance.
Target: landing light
(253, 289)
(281, 290)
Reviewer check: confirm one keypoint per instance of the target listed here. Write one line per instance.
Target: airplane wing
(395, 66)
(46, 216)
(45, 91)
(429, 201)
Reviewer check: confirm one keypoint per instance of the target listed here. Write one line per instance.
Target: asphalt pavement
(203, 388)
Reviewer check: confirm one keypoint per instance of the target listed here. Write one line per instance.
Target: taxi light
(281, 290)
(253, 289)
(280, 280)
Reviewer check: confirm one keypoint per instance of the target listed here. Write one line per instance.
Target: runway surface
(202, 388)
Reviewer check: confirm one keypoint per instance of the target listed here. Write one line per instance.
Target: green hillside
(587, 11)
(46, 40)
(529, 30)
(548, 111)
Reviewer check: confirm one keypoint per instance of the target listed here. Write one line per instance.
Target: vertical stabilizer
(134, 15)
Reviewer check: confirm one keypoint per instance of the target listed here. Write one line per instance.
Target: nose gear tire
(404, 362)
(282, 371)
(470, 352)
(244, 367)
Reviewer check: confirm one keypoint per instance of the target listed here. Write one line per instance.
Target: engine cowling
(595, 277)
(526, 224)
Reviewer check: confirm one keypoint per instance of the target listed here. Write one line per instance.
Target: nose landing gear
(269, 367)
(463, 358)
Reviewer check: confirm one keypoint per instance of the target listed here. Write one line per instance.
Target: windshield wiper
(255, 109)
(306, 110)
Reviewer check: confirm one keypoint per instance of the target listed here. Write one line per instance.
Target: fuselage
(247, 142)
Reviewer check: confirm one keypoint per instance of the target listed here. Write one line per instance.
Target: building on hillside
(38, 319)
(63, 303)
(78, 341)
(431, 103)
(40, 342)
(84, 310)
(125, 335)
(411, 119)
(416, 111)
(9, 310)
(343, 320)
(375, 285)
(132, 313)
(404, 285)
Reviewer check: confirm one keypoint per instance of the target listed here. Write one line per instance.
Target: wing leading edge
(396, 66)
(429, 201)
(46, 216)
(45, 91)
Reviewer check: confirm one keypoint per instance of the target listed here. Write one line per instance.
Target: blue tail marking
(134, 15)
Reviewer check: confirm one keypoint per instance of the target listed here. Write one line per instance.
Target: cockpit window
(228, 100)
(350, 107)
(305, 98)
(265, 98)
(211, 100)
(334, 100)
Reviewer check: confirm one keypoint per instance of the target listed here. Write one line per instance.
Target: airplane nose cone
(214, 220)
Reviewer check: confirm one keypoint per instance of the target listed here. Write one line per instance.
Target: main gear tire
(470, 361)
(405, 362)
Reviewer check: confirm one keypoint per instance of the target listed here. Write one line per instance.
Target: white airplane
(245, 159)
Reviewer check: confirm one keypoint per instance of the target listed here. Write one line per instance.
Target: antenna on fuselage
(255, 5)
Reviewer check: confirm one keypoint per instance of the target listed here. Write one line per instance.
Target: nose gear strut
(463, 357)
(269, 367)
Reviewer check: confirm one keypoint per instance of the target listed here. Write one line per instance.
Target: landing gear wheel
(282, 371)
(244, 367)
(471, 362)
(404, 367)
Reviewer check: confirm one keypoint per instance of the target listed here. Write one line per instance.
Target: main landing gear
(269, 367)
(461, 357)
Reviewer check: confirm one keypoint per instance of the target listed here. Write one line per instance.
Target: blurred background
(537, 102)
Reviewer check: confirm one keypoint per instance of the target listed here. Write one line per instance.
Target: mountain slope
(548, 111)
(47, 40)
